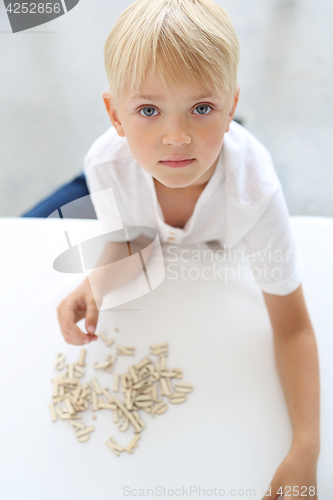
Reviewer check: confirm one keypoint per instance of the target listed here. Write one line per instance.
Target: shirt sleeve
(271, 249)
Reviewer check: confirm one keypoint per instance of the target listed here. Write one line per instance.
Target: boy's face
(189, 123)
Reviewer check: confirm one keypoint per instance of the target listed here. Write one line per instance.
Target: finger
(73, 335)
(67, 316)
(91, 317)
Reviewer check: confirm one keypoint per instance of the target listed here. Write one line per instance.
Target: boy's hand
(73, 308)
(296, 476)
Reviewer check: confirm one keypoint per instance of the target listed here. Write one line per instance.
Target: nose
(177, 134)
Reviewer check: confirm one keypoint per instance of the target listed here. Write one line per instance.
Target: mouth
(178, 163)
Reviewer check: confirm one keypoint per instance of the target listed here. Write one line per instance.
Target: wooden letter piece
(159, 409)
(143, 363)
(94, 402)
(102, 366)
(55, 387)
(123, 426)
(102, 405)
(133, 444)
(71, 371)
(128, 415)
(53, 412)
(78, 370)
(115, 386)
(183, 387)
(114, 446)
(165, 390)
(102, 336)
(84, 438)
(85, 431)
(95, 385)
(177, 373)
(59, 361)
(134, 374)
(77, 425)
(125, 351)
(82, 358)
(112, 362)
(157, 346)
(177, 398)
(69, 407)
(108, 396)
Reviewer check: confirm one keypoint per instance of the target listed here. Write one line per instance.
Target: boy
(177, 162)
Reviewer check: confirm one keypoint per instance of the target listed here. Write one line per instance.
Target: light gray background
(52, 78)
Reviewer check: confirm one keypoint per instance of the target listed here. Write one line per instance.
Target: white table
(232, 432)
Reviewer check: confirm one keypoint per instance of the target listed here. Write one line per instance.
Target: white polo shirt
(241, 205)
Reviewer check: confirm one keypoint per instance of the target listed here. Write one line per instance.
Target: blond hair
(183, 41)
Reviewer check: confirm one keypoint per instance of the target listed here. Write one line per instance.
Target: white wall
(52, 78)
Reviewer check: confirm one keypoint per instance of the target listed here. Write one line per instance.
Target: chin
(176, 181)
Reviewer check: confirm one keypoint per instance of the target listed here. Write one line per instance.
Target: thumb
(91, 316)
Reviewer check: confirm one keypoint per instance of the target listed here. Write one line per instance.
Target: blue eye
(202, 107)
(150, 111)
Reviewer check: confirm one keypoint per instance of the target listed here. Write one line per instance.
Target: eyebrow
(158, 98)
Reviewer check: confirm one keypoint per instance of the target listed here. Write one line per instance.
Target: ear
(233, 108)
(112, 110)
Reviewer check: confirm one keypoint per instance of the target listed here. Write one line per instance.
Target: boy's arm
(106, 280)
(84, 303)
(298, 369)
